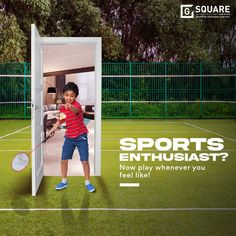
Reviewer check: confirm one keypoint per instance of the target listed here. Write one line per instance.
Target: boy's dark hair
(71, 86)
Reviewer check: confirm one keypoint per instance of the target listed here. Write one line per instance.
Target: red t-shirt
(74, 122)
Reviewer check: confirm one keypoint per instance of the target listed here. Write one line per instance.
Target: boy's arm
(54, 128)
(72, 108)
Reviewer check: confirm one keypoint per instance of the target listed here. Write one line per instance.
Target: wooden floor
(52, 154)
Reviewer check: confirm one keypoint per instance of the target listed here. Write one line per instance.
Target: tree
(151, 30)
(137, 30)
(71, 18)
(220, 39)
(86, 22)
(27, 12)
(12, 39)
(218, 36)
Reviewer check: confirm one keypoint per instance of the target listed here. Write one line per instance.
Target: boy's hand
(50, 134)
(68, 105)
(71, 107)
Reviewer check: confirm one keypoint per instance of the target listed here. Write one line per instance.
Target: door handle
(35, 107)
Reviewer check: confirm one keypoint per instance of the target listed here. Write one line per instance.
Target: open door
(37, 108)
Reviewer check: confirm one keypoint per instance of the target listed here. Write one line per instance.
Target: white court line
(144, 131)
(15, 132)
(129, 185)
(142, 122)
(152, 131)
(198, 127)
(154, 150)
(118, 209)
(112, 139)
(12, 139)
(15, 150)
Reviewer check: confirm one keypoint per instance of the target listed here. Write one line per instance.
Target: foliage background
(135, 30)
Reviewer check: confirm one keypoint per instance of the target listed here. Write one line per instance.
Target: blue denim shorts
(81, 142)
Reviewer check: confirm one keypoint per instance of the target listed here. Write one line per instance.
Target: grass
(212, 188)
(118, 223)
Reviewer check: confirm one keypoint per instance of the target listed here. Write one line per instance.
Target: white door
(37, 108)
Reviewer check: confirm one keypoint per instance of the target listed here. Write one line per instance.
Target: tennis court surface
(167, 202)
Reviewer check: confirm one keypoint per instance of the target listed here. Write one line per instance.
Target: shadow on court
(83, 217)
(103, 189)
(20, 193)
(22, 187)
(44, 185)
(75, 219)
(68, 216)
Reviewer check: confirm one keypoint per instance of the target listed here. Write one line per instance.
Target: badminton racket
(21, 160)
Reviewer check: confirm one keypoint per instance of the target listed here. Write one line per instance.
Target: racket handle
(48, 137)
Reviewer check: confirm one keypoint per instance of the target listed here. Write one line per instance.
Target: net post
(165, 89)
(235, 89)
(25, 78)
(200, 89)
(130, 88)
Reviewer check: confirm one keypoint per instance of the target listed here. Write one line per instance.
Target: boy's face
(69, 96)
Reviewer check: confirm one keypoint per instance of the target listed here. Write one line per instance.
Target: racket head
(20, 161)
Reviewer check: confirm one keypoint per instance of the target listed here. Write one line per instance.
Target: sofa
(50, 117)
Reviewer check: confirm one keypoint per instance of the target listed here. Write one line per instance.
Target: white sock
(87, 182)
(64, 180)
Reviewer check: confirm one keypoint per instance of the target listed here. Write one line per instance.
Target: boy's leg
(64, 168)
(86, 168)
(82, 146)
(67, 153)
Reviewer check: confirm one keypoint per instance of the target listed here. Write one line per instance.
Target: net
(161, 91)
(15, 94)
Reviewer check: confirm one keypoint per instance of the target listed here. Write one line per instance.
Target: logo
(204, 11)
(186, 11)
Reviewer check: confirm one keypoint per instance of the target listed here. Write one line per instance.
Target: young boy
(75, 136)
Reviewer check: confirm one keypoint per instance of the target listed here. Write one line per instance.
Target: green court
(167, 202)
